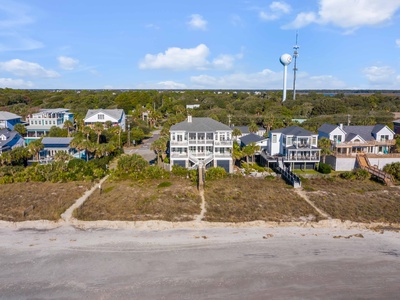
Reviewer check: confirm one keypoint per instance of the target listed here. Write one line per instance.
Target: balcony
(178, 143)
(201, 142)
(223, 143)
(361, 144)
(179, 155)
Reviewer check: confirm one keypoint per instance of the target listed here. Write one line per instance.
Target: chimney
(341, 125)
(189, 119)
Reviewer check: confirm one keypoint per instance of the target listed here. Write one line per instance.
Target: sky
(198, 44)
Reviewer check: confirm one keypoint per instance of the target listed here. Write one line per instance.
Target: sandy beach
(162, 260)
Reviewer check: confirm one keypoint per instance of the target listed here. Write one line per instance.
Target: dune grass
(40, 200)
(171, 200)
(354, 200)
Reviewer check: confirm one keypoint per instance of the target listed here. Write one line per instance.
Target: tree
(68, 125)
(253, 128)
(35, 147)
(98, 128)
(159, 146)
(87, 130)
(325, 145)
(21, 129)
(57, 132)
(236, 132)
(237, 153)
(62, 156)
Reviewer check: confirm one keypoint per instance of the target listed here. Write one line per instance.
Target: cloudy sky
(207, 44)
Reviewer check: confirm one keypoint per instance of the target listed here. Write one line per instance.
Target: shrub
(324, 168)
(215, 173)
(179, 171)
(164, 184)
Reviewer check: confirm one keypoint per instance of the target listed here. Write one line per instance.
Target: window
(337, 138)
(100, 117)
(209, 149)
(209, 136)
(274, 138)
(314, 140)
(173, 136)
(192, 136)
(289, 141)
(384, 138)
(179, 137)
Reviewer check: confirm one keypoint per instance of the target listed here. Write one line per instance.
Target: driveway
(144, 148)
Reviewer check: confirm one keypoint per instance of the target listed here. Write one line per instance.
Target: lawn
(40, 200)
(244, 199)
(169, 200)
(358, 201)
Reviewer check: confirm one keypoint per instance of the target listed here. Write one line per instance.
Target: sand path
(303, 195)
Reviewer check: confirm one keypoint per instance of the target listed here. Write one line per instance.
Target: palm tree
(236, 132)
(76, 143)
(87, 130)
(62, 156)
(68, 124)
(253, 128)
(250, 150)
(325, 145)
(21, 129)
(268, 122)
(159, 146)
(237, 153)
(35, 147)
(98, 128)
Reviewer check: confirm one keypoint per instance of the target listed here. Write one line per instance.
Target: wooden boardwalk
(364, 164)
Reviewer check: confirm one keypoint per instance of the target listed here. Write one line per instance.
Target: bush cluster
(324, 168)
(357, 174)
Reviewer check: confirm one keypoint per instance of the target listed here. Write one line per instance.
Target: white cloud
(24, 68)
(14, 14)
(320, 82)
(276, 10)
(349, 14)
(197, 22)
(398, 42)
(67, 63)
(186, 59)
(280, 7)
(384, 76)
(15, 83)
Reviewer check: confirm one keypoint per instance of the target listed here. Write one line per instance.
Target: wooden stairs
(363, 163)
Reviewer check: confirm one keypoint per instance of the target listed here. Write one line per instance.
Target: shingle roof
(251, 138)
(293, 130)
(364, 131)
(245, 129)
(115, 113)
(200, 125)
(10, 135)
(5, 115)
(327, 128)
(57, 140)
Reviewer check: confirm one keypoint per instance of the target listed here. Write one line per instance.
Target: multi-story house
(115, 116)
(10, 140)
(41, 122)
(9, 120)
(375, 143)
(201, 140)
(293, 147)
(350, 140)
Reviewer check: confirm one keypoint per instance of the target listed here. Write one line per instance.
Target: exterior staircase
(288, 175)
(364, 164)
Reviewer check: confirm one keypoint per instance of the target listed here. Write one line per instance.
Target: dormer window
(100, 116)
(3, 137)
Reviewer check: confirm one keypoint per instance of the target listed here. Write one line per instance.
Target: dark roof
(251, 138)
(364, 131)
(245, 129)
(10, 136)
(327, 128)
(377, 128)
(200, 125)
(56, 140)
(293, 130)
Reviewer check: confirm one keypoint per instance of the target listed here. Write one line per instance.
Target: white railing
(223, 143)
(366, 144)
(179, 155)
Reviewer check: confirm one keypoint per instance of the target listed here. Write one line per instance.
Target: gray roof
(364, 131)
(5, 115)
(10, 135)
(245, 129)
(396, 121)
(53, 110)
(115, 113)
(327, 128)
(293, 130)
(200, 125)
(56, 140)
(251, 138)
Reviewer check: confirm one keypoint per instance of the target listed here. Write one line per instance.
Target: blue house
(9, 120)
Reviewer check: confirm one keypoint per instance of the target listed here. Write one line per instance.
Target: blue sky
(187, 44)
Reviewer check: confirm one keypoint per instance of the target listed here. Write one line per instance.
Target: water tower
(285, 60)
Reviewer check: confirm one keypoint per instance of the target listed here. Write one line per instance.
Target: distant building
(115, 116)
(192, 106)
(10, 140)
(245, 131)
(256, 139)
(201, 140)
(396, 127)
(9, 120)
(41, 122)
(52, 145)
(293, 147)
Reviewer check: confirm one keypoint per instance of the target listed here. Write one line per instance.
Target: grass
(244, 199)
(175, 200)
(358, 201)
(49, 200)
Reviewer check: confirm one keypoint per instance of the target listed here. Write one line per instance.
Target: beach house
(115, 116)
(201, 141)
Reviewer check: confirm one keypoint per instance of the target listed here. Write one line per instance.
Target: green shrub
(180, 171)
(215, 173)
(164, 184)
(324, 168)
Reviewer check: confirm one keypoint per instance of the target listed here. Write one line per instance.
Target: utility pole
(295, 55)
(129, 135)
